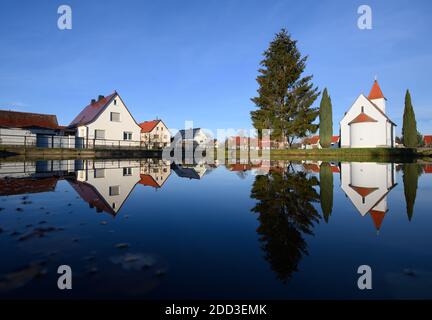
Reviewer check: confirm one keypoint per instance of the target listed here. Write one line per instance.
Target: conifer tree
(326, 120)
(285, 96)
(409, 128)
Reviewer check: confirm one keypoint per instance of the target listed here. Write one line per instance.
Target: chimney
(93, 101)
(100, 97)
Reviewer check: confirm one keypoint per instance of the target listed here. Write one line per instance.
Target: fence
(67, 142)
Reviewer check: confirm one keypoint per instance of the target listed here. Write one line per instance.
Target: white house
(366, 124)
(107, 122)
(154, 172)
(367, 186)
(197, 136)
(155, 134)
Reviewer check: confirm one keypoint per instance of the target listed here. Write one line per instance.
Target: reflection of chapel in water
(367, 186)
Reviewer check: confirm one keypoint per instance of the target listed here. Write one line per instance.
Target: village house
(366, 124)
(33, 130)
(314, 142)
(246, 143)
(154, 172)
(196, 136)
(427, 140)
(106, 185)
(155, 134)
(106, 122)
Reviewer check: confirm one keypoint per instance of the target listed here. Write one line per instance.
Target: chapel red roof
(377, 217)
(92, 111)
(427, 139)
(15, 119)
(362, 117)
(148, 126)
(376, 92)
(363, 191)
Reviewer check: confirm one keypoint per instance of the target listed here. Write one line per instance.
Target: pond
(154, 230)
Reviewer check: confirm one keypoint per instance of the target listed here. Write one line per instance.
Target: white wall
(113, 130)
(368, 134)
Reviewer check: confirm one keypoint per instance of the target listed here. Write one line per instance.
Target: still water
(154, 230)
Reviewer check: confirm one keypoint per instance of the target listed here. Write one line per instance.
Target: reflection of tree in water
(326, 190)
(286, 212)
(411, 173)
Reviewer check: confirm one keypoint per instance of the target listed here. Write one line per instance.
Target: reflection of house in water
(154, 172)
(314, 167)
(367, 185)
(106, 185)
(33, 176)
(195, 171)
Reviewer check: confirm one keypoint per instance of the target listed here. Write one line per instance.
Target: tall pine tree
(285, 97)
(409, 128)
(326, 120)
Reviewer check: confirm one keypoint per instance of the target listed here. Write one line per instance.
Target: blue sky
(198, 60)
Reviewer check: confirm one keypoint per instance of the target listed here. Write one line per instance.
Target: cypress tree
(411, 173)
(409, 128)
(326, 190)
(326, 120)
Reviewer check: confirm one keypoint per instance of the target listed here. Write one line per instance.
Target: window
(99, 173)
(362, 109)
(115, 117)
(99, 134)
(115, 102)
(127, 171)
(127, 135)
(114, 190)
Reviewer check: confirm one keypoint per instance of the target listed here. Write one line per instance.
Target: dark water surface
(153, 230)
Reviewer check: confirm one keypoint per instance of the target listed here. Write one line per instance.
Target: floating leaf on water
(103, 223)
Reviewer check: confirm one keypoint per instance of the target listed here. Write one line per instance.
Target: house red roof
(148, 126)
(335, 139)
(376, 92)
(15, 119)
(311, 140)
(311, 167)
(147, 180)
(27, 185)
(335, 169)
(92, 111)
(377, 217)
(362, 117)
(428, 168)
(427, 139)
(90, 195)
(363, 191)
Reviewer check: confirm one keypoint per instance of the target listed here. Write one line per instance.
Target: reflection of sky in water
(154, 230)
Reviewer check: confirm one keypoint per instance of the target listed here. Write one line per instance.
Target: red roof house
(26, 120)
